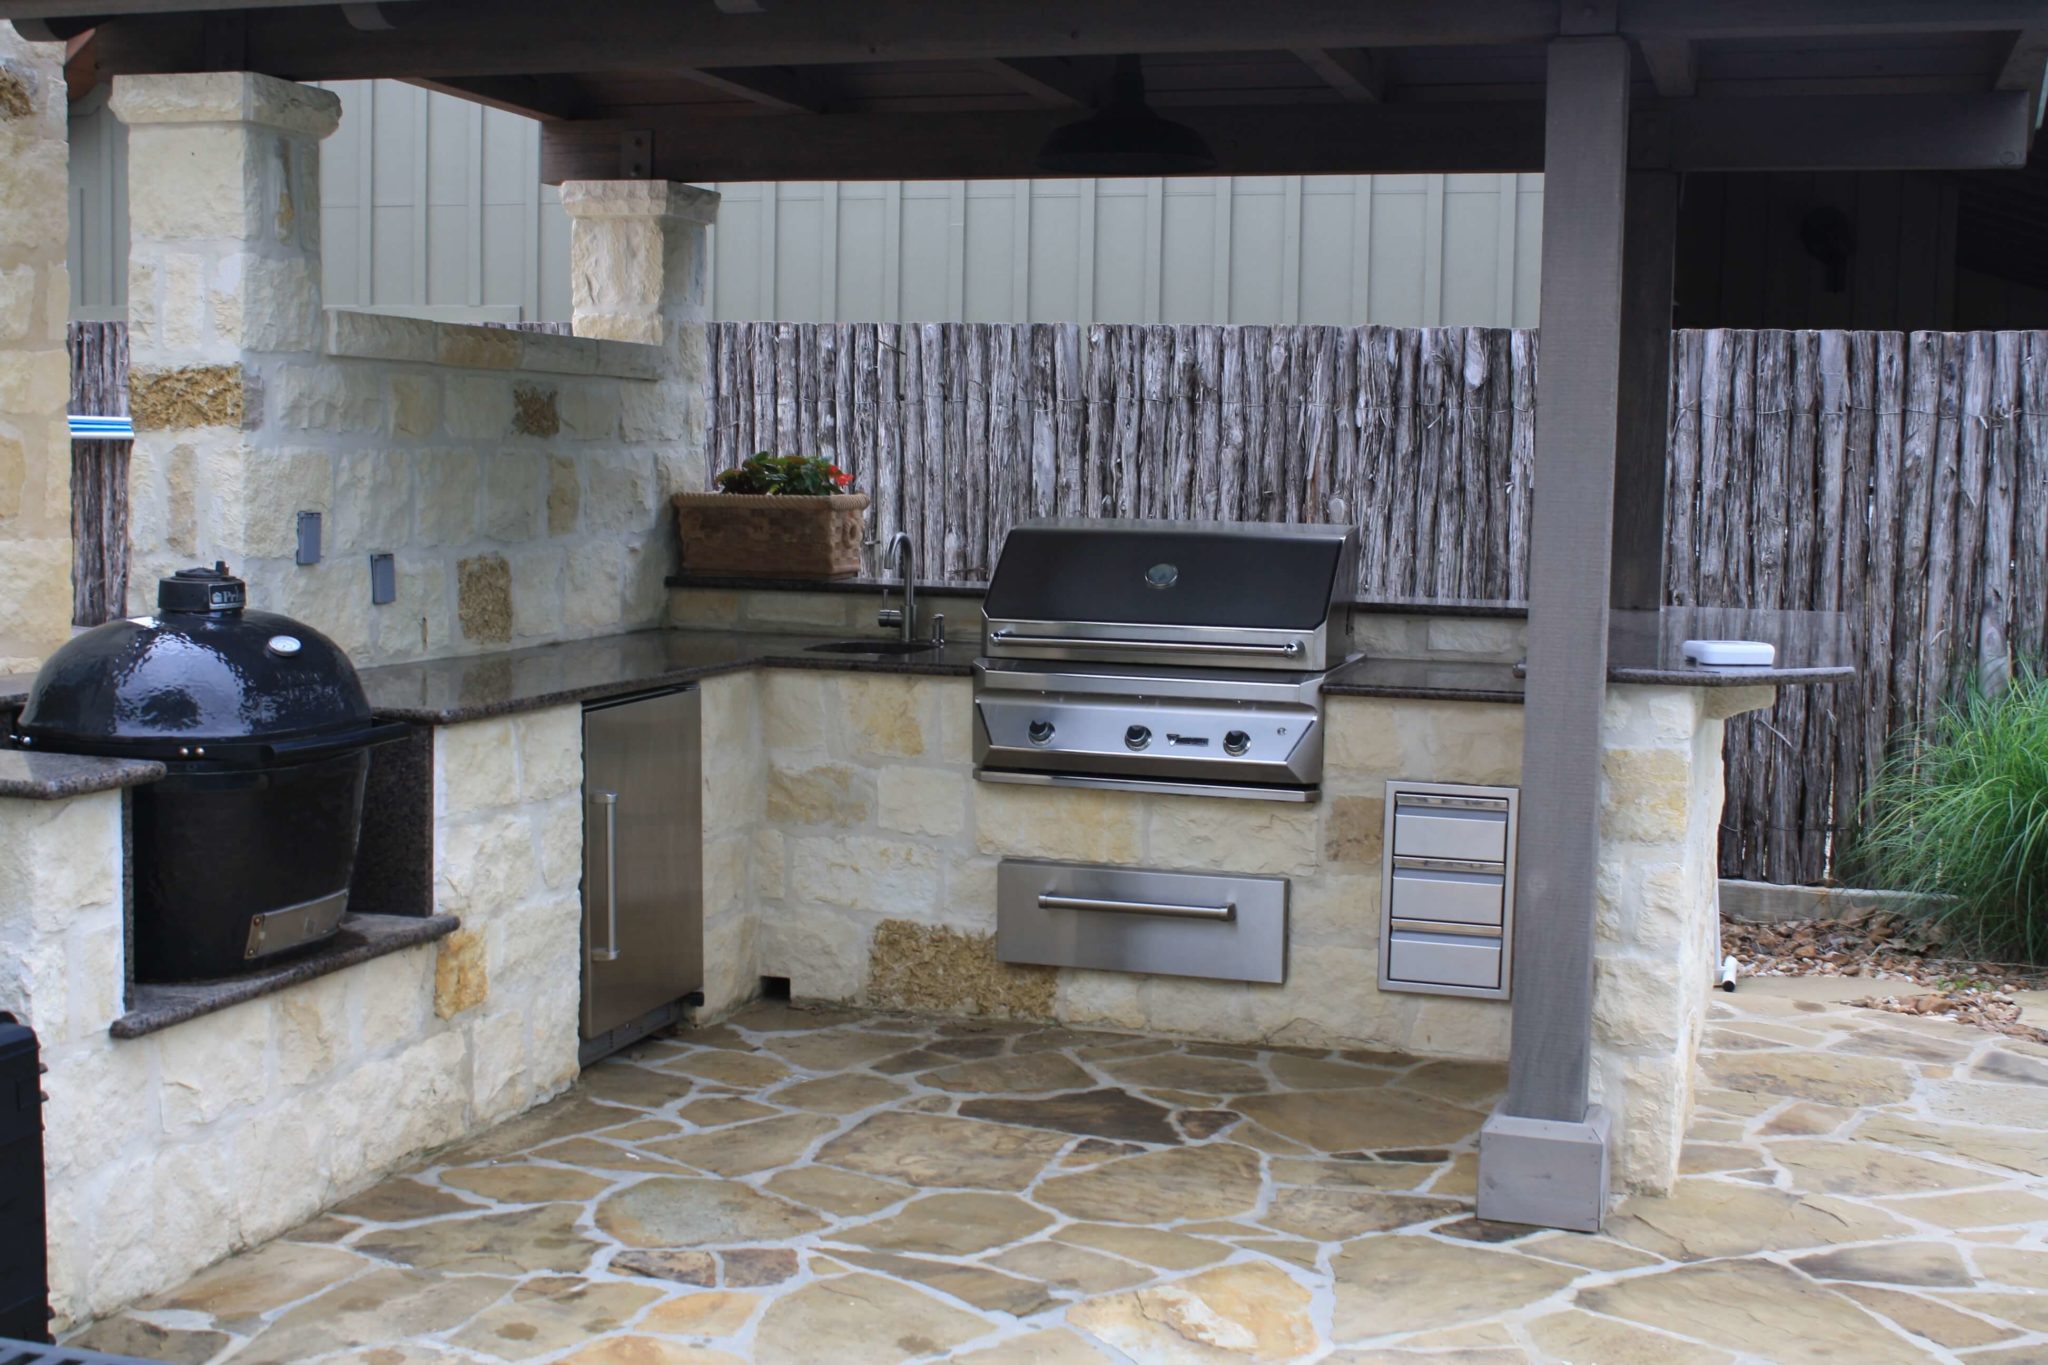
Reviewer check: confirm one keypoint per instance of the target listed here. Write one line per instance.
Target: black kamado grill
(245, 849)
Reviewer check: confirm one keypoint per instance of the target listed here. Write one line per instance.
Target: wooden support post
(1643, 423)
(1543, 1155)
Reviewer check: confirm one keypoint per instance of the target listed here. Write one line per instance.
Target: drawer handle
(1444, 926)
(1416, 863)
(1048, 900)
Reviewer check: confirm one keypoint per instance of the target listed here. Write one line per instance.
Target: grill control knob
(1041, 732)
(1236, 742)
(1137, 737)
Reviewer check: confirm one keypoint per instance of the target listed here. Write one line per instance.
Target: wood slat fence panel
(1899, 480)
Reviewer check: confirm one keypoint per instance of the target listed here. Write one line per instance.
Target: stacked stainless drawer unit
(1448, 888)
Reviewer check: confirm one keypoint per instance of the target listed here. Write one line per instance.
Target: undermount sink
(872, 647)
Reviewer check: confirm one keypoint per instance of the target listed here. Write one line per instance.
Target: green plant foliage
(1962, 813)
(809, 476)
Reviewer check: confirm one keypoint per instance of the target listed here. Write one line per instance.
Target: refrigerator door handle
(610, 952)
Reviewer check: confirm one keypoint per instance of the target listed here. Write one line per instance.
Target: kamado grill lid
(203, 670)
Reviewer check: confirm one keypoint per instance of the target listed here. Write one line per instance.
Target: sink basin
(872, 647)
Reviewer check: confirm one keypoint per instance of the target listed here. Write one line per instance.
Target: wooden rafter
(1052, 81)
(1674, 66)
(1352, 72)
(2024, 61)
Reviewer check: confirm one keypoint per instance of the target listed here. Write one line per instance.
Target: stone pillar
(638, 271)
(35, 372)
(223, 291)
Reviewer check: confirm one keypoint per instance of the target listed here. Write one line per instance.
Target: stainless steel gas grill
(1163, 656)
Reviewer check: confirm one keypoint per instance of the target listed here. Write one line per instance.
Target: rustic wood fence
(1902, 480)
(99, 475)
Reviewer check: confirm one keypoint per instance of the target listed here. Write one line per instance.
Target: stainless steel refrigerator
(643, 866)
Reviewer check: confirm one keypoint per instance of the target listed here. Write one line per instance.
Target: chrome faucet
(899, 553)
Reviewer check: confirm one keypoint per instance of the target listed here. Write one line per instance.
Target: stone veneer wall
(521, 481)
(167, 1152)
(873, 877)
(35, 369)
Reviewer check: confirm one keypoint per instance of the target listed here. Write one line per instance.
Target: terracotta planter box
(751, 536)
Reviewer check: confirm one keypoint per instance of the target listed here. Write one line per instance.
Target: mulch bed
(1887, 947)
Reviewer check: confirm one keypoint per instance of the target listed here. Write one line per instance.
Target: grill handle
(1285, 651)
(313, 746)
(1048, 900)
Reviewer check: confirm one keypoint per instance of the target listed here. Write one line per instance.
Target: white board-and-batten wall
(433, 205)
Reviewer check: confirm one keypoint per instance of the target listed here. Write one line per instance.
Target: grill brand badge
(1162, 576)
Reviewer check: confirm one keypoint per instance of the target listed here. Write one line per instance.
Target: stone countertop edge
(1730, 676)
(57, 777)
(363, 938)
(1391, 606)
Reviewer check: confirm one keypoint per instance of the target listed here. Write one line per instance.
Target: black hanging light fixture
(1125, 137)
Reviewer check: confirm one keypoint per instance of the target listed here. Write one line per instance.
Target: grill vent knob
(1041, 732)
(1236, 742)
(1137, 737)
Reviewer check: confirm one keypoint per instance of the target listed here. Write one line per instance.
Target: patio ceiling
(903, 89)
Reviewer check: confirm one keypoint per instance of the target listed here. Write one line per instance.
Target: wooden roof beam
(1674, 66)
(2025, 61)
(1052, 81)
(547, 98)
(1352, 72)
(772, 87)
(1708, 19)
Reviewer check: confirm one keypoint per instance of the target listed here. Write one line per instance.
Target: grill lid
(1199, 575)
(203, 669)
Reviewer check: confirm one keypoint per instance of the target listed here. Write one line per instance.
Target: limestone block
(265, 303)
(429, 1100)
(479, 407)
(1638, 1002)
(1189, 1005)
(380, 336)
(1082, 826)
(594, 591)
(335, 397)
(189, 396)
(565, 495)
(82, 1132)
(879, 716)
(194, 183)
(1107, 999)
(476, 767)
(1390, 637)
(1476, 638)
(1654, 1105)
(1461, 742)
(388, 999)
(861, 872)
(280, 485)
(1670, 908)
(728, 886)
(537, 581)
(226, 97)
(947, 704)
(730, 977)
(1720, 703)
(970, 900)
(652, 412)
(1331, 998)
(528, 945)
(618, 493)
(588, 411)
(18, 302)
(34, 382)
(1447, 1026)
(422, 619)
(1644, 796)
(275, 1165)
(461, 979)
(332, 596)
(1649, 717)
(699, 608)
(1363, 739)
(923, 800)
(559, 827)
(483, 865)
(60, 857)
(824, 956)
(498, 1071)
(1335, 908)
(550, 746)
(312, 1030)
(372, 501)
(1354, 829)
(936, 967)
(818, 610)
(37, 574)
(415, 404)
(94, 952)
(1234, 836)
(767, 863)
(550, 354)
(794, 706)
(477, 348)
(649, 559)
(483, 598)
(827, 794)
(450, 485)
(215, 1065)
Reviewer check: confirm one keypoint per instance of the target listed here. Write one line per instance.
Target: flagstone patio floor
(845, 1187)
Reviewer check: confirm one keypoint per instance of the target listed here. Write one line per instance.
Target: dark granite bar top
(53, 777)
(1648, 646)
(478, 686)
(1426, 680)
(361, 938)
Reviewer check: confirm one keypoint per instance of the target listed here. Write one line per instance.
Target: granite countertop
(53, 777)
(1426, 680)
(1647, 646)
(478, 686)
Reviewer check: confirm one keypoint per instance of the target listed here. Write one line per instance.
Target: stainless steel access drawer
(1122, 919)
(1466, 828)
(1460, 894)
(1444, 960)
(1447, 889)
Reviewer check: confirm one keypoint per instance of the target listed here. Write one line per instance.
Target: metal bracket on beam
(636, 154)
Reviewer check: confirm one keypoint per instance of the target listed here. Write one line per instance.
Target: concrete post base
(1544, 1172)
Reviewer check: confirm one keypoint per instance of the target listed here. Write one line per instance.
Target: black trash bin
(245, 850)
